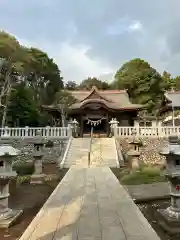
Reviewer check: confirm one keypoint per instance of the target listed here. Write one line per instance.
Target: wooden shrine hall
(96, 108)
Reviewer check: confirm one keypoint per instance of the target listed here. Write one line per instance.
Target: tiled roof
(114, 99)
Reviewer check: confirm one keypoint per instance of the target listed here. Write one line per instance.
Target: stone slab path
(89, 204)
(146, 192)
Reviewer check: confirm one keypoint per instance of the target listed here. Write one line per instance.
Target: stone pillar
(74, 125)
(38, 154)
(113, 125)
(7, 152)
(134, 159)
(134, 152)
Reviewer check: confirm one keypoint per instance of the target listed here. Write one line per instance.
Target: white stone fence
(146, 131)
(31, 132)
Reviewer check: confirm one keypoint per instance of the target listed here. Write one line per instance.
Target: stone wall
(50, 154)
(149, 150)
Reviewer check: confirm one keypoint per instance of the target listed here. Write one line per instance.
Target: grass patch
(145, 175)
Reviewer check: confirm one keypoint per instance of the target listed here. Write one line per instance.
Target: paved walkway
(89, 204)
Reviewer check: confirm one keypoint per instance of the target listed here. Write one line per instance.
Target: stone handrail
(31, 132)
(147, 131)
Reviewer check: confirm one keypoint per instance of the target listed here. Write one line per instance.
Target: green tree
(71, 85)
(144, 84)
(168, 80)
(88, 83)
(22, 109)
(64, 100)
(43, 75)
(30, 66)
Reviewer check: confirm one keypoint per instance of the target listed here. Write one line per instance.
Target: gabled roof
(113, 99)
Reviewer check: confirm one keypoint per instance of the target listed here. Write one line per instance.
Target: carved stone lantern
(38, 154)
(7, 153)
(170, 218)
(134, 152)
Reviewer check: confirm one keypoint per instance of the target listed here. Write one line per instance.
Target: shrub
(23, 168)
(23, 179)
(49, 144)
(144, 175)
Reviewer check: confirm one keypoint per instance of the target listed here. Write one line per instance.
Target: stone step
(103, 152)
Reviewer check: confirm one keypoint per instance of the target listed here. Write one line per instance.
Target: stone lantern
(170, 218)
(38, 154)
(134, 152)
(74, 124)
(7, 153)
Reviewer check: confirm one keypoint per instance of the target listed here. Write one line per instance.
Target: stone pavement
(89, 204)
(147, 192)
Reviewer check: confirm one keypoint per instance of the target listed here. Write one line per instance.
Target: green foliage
(144, 84)
(23, 179)
(71, 85)
(49, 144)
(23, 168)
(145, 175)
(22, 109)
(29, 67)
(90, 82)
(65, 99)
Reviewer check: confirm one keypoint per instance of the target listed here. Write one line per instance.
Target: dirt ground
(30, 198)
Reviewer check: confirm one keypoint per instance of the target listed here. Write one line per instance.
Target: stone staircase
(77, 153)
(103, 153)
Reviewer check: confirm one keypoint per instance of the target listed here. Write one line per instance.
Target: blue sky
(94, 38)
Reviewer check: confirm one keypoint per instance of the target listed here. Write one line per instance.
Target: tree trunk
(6, 107)
(62, 117)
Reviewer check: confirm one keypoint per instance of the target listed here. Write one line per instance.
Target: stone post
(38, 154)
(70, 129)
(169, 218)
(74, 124)
(7, 153)
(113, 126)
(134, 152)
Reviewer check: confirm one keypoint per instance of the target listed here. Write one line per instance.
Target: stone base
(169, 222)
(37, 178)
(10, 218)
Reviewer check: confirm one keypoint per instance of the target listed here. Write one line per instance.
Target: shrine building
(96, 108)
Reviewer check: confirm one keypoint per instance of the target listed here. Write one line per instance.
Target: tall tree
(30, 66)
(89, 82)
(12, 56)
(144, 84)
(43, 75)
(64, 100)
(22, 110)
(71, 85)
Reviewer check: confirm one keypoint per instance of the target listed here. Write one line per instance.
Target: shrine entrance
(100, 126)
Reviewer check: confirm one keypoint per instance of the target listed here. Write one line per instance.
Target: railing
(30, 132)
(147, 131)
(90, 147)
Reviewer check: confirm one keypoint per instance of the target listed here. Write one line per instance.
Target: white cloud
(76, 65)
(135, 26)
(73, 60)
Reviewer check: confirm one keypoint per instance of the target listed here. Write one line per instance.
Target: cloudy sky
(95, 37)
